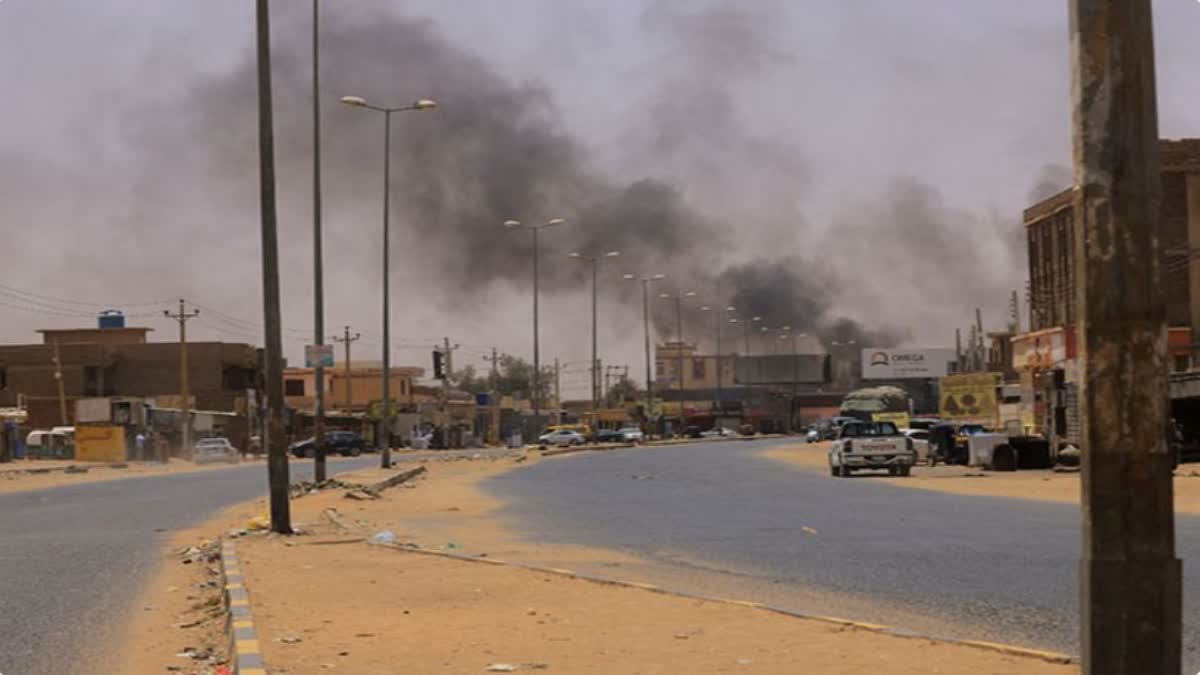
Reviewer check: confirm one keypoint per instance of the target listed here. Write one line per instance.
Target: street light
(537, 358)
(720, 319)
(678, 298)
(646, 281)
(383, 440)
(595, 261)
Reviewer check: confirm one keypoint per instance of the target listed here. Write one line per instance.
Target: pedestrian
(139, 443)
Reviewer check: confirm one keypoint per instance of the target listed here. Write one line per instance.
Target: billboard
(318, 355)
(781, 369)
(971, 397)
(903, 364)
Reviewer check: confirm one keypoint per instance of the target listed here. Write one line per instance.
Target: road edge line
(894, 631)
(245, 655)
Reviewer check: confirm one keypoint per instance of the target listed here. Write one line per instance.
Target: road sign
(318, 355)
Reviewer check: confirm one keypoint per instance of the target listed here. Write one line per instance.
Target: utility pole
(318, 266)
(58, 379)
(448, 354)
(980, 354)
(557, 391)
(493, 437)
(277, 461)
(1130, 576)
(346, 339)
(958, 352)
(185, 406)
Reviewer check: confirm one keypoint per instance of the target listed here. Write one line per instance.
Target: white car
(562, 437)
(920, 441)
(211, 450)
(871, 445)
(813, 436)
(718, 432)
(631, 434)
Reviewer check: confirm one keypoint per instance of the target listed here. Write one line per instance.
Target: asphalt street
(73, 558)
(713, 518)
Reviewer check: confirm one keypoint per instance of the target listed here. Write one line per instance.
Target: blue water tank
(111, 318)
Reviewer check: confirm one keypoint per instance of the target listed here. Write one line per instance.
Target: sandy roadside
(16, 476)
(328, 602)
(1038, 485)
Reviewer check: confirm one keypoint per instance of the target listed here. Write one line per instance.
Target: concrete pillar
(1193, 240)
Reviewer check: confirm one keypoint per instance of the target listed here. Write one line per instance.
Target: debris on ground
(642, 476)
(513, 667)
(308, 487)
(290, 639)
(384, 537)
(260, 522)
(75, 469)
(204, 552)
(361, 495)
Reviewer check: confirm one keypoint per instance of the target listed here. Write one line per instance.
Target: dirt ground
(16, 477)
(326, 601)
(1040, 485)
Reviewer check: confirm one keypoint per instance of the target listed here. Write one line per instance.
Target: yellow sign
(971, 397)
(100, 443)
(900, 419)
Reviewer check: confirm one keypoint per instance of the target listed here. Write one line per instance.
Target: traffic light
(439, 365)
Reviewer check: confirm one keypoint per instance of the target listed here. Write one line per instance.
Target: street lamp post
(595, 370)
(383, 437)
(678, 298)
(720, 319)
(537, 358)
(646, 280)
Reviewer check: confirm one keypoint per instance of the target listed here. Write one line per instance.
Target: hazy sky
(860, 142)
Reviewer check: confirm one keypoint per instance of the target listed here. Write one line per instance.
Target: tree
(514, 378)
(623, 390)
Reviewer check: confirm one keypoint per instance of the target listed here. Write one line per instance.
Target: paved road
(714, 518)
(72, 558)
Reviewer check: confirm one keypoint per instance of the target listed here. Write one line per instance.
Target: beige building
(356, 393)
(699, 370)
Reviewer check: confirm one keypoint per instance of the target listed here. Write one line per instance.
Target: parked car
(609, 436)
(631, 434)
(693, 431)
(871, 445)
(213, 450)
(719, 432)
(562, 437)
(920, 439)
(344, 443)
(812, 436)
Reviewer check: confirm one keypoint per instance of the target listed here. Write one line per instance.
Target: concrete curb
(245, 655)
(71, 468)
(604, 447)
(1011, 650)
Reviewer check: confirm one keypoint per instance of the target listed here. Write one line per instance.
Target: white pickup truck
(871, 445)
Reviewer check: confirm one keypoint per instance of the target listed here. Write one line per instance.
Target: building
(770, 392)
(357, 392)
(1050, 234)
(119, 361)
(1045, 358)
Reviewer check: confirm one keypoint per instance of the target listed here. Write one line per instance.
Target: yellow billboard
(900, 419)
(971, 397)
(100, 443)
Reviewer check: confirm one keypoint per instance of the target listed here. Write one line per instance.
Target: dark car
(693, 432)
(344, 443)
(609, 436)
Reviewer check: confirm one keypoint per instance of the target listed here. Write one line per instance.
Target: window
(3, 379)
(293, 387)
(698, 369)
(659, 368)
(1181, 363)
